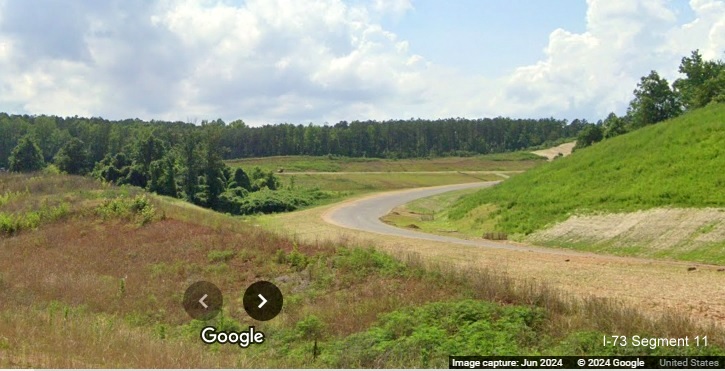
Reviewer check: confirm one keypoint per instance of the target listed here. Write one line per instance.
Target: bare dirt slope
(650, 285)
(654, 229)
(550, 153)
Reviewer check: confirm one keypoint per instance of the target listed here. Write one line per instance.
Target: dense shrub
(267, 201)
(138, 209)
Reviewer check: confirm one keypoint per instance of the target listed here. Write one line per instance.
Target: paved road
(365, 214)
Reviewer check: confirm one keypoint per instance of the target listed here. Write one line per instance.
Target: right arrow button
(263, 300)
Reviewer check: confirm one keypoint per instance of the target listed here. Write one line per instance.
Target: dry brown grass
(32, 338)
(127, 276)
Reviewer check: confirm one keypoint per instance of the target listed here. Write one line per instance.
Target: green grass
(678, 163)
(495, 162)
(430, 215)
(358, 182)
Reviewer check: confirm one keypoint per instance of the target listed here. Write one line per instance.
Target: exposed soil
(654, 229)
(551, 153)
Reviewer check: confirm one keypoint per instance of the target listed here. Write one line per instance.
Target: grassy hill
(677, 163)
(92, 276)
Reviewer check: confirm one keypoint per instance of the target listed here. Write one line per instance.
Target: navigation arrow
(201, 301)
(264, 301)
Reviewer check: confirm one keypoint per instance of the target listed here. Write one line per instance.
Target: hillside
(674, 164)
(92, 275)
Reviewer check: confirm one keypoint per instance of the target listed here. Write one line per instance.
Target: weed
(216, 256)
(121, 287)
(297, 260)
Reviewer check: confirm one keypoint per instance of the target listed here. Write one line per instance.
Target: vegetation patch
(138, 209)
(14, 223)
(425, 336)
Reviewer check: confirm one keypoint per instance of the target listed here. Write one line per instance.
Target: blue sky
(501, 34)
(271, 61)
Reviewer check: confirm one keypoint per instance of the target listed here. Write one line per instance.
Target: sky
(323, 61)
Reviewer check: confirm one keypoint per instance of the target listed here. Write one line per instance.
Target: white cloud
(269, 61)
(595, 72)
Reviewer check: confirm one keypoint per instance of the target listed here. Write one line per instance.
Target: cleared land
(554, 152)
(685, 234)
(493, 162)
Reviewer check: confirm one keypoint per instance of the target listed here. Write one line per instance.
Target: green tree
(189, 154)
(613, 126)
(588, 136)
(113, 168)
(241, 179)
(653, 101)
(26, 156)
(47, 136)
(73, 157)
(148, 150)
(213, 166)
(163, 177)
(703, 82)
(11, 130)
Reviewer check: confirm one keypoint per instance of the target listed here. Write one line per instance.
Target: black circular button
(203, 300)
(263, 300)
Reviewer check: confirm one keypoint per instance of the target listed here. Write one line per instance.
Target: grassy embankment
(326, 179)
(674, 164)
(93, 275)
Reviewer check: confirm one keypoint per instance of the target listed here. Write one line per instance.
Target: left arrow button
(203, 300)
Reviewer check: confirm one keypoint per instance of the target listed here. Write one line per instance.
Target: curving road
(364, 214)
(647, 283)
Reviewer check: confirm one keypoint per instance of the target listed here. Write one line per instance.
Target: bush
(216, 256)
(363, 262)
(138, 209)
(424, 336)
(266, 201)
(13, 223)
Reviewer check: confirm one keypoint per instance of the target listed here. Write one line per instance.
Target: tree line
(396, 138)
(382, 139)
(186, 161)
(655, 100)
